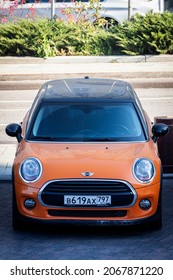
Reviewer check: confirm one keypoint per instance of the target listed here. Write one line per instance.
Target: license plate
(90, 200)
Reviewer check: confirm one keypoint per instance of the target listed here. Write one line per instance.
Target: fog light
(29, 203)
(145, 204)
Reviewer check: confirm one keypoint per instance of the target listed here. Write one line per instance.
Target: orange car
(87, 153)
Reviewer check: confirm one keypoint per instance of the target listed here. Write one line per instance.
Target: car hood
(103, 161)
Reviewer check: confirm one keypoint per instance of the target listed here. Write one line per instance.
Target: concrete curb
(111, 74)
(86, 59)
(136, 82)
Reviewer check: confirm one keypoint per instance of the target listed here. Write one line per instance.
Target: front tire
(157, 223)
(16, 221)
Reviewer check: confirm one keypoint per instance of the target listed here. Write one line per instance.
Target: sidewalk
(26, 70)
(30, 73)
(19, 69)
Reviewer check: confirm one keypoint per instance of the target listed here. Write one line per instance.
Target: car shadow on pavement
(67, 231)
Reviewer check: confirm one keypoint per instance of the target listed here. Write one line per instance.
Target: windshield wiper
(48, 138)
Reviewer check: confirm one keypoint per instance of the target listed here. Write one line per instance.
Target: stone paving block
(7, 154)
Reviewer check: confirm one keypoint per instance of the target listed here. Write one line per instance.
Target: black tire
(16, 220)
(157, 223)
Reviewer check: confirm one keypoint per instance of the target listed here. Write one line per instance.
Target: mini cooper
(87, 153)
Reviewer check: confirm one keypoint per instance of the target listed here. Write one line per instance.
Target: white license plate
(90, 200)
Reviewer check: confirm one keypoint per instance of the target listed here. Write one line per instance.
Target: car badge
(87, 174)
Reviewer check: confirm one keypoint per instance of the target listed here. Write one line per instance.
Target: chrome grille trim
(88, 181)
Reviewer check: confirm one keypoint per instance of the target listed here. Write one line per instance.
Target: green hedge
(45, 38)
(151, 34)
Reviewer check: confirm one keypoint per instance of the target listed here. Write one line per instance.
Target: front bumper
(102, 223)
(117, 215)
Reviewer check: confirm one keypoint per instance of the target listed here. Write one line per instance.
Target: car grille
(122, 193)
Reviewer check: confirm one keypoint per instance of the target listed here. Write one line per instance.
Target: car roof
(86, 90)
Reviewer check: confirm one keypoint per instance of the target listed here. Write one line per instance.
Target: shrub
(150, 34)
(45, 38)
(75, 35)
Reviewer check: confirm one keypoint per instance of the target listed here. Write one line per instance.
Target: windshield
(87, 122)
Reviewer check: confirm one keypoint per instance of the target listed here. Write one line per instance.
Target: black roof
(86, 89)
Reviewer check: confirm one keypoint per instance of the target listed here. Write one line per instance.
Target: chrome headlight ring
(144, 170)
(30, 170)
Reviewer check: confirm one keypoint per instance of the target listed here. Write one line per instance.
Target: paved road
(75, 243)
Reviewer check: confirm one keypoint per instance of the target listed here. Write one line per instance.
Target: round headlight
(144, 170)
(30, 169)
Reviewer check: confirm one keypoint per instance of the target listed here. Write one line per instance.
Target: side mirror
(159, 130)
(14, 130)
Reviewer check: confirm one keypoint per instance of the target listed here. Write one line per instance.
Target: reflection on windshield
(87, 122)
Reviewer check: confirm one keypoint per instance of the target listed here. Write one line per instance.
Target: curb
(86, 59)
(135, 82)
(111, 74)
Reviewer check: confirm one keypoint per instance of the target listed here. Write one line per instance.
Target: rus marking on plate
(99, 200)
